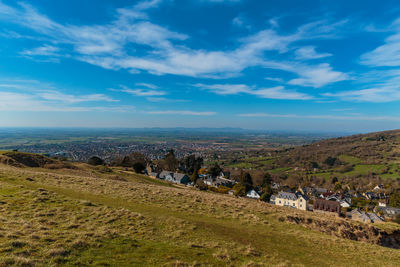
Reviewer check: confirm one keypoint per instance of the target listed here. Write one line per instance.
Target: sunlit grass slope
(90, 216)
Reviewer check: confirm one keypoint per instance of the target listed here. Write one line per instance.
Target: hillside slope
(359, 162)
(22, 159)
(372, 148)
(84, 216)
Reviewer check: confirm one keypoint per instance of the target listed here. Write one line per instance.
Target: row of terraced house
(326, 202)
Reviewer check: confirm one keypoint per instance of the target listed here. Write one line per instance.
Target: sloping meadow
(84, 217)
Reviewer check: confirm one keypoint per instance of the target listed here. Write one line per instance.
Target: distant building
(370, 195)
(320, 190)
(208, 181)
(378, 187)
(223, 182)
(332, 198)
(329, 206)
(253, 194)
(345, 203)
(163, 175)
(272, 199)
(153, 174)
(219, 181)
(387, 211)
(276, 186)
(180, 178)
(366, 217)
(293, 200)
(382, 203)
(177, 178)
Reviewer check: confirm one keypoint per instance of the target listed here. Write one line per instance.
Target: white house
(382, 204)
(344, 203)
(253, 194)
(378, 187)
(178, 178)
(293, 200)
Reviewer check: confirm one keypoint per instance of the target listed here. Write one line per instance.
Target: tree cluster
(135, 160)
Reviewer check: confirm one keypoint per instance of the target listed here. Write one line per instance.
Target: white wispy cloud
(375, 95)
(324, 117)
(241, 21)
(308, 52)
(182, 112)
(278, 92)
(273, 22)
(143, 5)
(316, 76)
(68, 98)
(225, 89)
(342, 109)
(378, 86)
(11, 101)
(148, 85)
(106, 46)
(46, 50)
(164, 99)
(221, 1)
(140, 91)
(279, 80)
(31, 95)
(238, 21)
(388, 54)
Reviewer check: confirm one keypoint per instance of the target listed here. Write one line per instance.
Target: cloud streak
(25, 95)
(322, 117)
(20, 102)
(182, 112)
(278, 92)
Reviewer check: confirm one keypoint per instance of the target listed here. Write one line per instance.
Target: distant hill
(372, 148)
(359, 161)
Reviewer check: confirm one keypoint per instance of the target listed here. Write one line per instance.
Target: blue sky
(274, 65)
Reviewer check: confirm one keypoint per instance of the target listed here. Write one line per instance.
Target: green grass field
(88, 218)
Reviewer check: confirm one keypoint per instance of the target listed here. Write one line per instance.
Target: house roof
(252, 190)
(179, 176)
(290, 196)
(321, 190)
(390, 210)
(374, 217)
(366, 216)
(345, 201)
(163, 174)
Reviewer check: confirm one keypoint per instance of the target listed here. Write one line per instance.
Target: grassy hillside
(91, 216)
(373, 148)
(375, 156)
(23, 159)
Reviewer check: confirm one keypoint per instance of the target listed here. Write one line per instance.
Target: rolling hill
(89, 215)
(359, 161)
(372, 148)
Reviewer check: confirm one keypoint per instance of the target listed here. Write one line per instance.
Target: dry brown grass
(81, 215)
